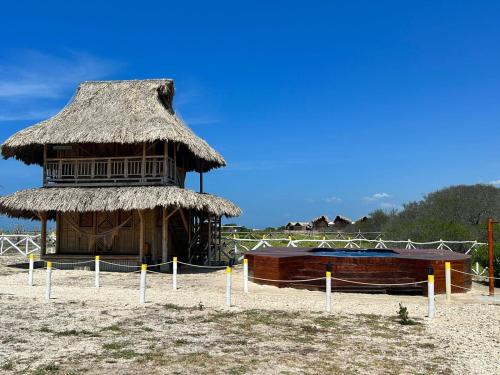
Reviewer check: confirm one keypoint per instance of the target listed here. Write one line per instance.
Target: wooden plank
(164, 235)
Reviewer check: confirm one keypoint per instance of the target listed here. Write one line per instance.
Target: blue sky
(319, 107)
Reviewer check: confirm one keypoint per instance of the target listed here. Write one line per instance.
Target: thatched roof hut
(114, 166)
(320, 223)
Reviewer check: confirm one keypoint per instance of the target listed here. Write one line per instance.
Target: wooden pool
(370, 266)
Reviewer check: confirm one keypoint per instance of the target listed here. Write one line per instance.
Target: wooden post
(141, 234)
(176, 182)
(209, 239)
(201, 182)
(143, 162)
(165, 163)
(44, 165)
(491, 273)
(164, 235)
(43, 233)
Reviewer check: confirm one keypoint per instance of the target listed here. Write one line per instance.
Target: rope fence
(327, 279)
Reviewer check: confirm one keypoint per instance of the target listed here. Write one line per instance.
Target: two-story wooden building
(114, 164)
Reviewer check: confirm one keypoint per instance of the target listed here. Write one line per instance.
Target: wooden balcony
(114, 171)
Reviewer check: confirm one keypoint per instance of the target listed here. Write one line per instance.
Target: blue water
(354, 253)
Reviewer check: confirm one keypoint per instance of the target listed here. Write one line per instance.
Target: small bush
(404, 316)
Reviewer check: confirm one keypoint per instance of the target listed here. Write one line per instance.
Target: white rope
(65, 264)
(461, 287)
(286, 281)
(473, 274)
(159, 264)
(119, 265)
(198, 266)
(361, 283)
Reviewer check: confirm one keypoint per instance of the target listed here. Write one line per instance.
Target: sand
(271, 330)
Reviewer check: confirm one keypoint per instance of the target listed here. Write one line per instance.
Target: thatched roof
(343, 219)
(121, 112)
(321, 218)
(26, 203)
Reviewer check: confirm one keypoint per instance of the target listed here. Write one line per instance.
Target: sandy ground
(277, 331)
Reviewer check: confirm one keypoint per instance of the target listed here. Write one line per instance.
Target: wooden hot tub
(376, 266)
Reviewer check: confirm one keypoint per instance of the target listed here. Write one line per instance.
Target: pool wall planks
(407, 266)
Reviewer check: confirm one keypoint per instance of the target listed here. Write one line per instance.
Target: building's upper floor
(115, 133)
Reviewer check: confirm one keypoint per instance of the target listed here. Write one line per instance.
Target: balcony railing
(150, 170)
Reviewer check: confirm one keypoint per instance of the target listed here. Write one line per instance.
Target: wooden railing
(113, 171)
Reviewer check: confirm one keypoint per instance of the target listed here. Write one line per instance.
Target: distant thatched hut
(320, 223)
(341, 222)
(114, 164)
(298, 226)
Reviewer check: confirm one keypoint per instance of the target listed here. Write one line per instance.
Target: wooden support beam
(141, 234)
(209, 239)
(164, 235)
(201, 182)
(43, 234)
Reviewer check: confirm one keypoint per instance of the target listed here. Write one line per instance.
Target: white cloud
(377, 196)
(332, 200)
(495, 182)
(34, 75)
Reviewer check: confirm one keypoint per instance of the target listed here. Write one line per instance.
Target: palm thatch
(123, 112)
(27, 203)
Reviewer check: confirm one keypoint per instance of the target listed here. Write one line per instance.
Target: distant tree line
(454, 213)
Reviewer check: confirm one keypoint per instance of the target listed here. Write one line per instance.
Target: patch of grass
(115, 345)
(48, 369)
(147, 329)
(426, 345)
(326, 322)
(113, 328)
(45, 329)
(181, 342)
(8, 366)
(74, 332)
(124, 354)
(173, 306)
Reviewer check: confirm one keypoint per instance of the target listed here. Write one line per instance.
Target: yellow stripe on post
(32, 257)
(228, 270)
(447, 266)
(430, 278)
(98, 257)
(174, 259)
(49, 264)
(328, 274)
(144, 267)
(245, 261)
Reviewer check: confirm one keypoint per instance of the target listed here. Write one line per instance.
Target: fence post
(48, 281)
(431, 308)
(30, 272)
(174, 273)
(477, 268)
(142, 287)
(245, 275)
(328, 306)
(447, 274)
(97, 270)
(228, 286)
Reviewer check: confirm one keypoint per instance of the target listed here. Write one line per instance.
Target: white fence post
(228, 286)
(328, 306)
(431, 308)
(48, 281)
(142, 287)
(174, 273)
(97, 270)
(30, 271)
(447, 274)
(245, 275)
(477, 268)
